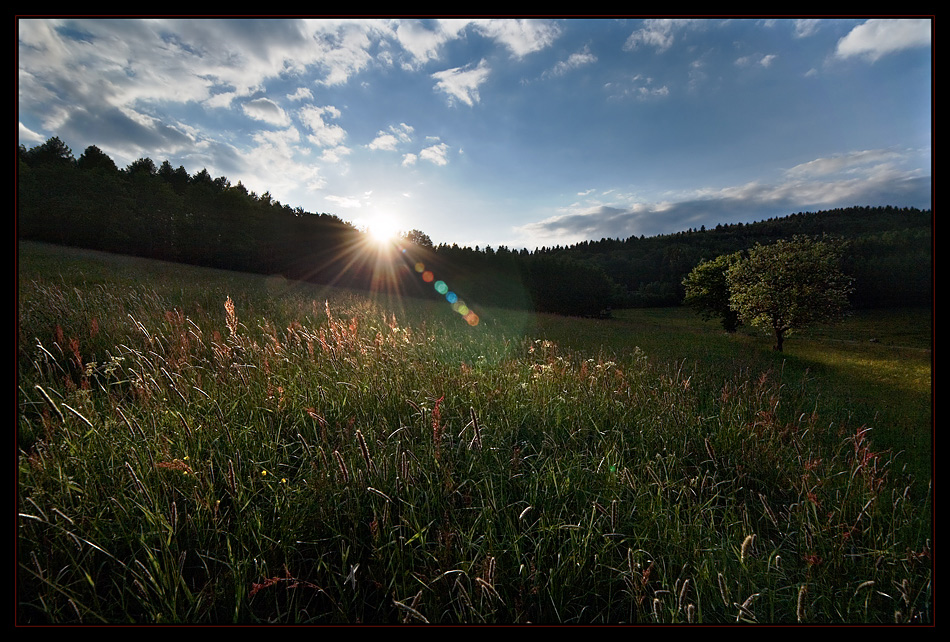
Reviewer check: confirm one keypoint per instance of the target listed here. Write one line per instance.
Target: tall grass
(287, 454)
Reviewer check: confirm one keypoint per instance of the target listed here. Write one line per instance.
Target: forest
(162, 212)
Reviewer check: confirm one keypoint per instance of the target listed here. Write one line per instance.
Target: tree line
(164, 212)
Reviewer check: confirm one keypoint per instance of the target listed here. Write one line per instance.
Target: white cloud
(81, 73)
(335, 154)
(267, 110)
(221, 100)
(341, 47)
(436, 154)
(805, 27)
(521, 37)
(574, 61)
(302, 93)
(384, 141)
(26, 134)
(424, 44)
(324, 135)
(390, 140)
(843, 162)
(346, 202)
(461, 83)
(282, 139)
(409, 159)
(271, 166)
(876, 38)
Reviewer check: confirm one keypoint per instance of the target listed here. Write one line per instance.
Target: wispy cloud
(858, 178)
(520, 37)
(843, 162)
(269, 164)
(805, 27)
(302, 93)
(656, 32)
(576, 60)
(462, 83)
(335, 155)
(322, 133)
(638, 87)
(757, 59)
(346, 202)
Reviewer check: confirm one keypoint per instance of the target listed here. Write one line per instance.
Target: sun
(383, 229)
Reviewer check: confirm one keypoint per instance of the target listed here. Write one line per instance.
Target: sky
(515, 132)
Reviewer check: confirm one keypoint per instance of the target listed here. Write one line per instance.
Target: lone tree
(707, 290)
(789, 285)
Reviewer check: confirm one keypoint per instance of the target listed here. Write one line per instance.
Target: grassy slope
(613, 484)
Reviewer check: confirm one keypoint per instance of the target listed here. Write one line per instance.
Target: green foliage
(789, 285)
(707, 290)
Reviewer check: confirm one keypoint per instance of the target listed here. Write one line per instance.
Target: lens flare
(458, 305)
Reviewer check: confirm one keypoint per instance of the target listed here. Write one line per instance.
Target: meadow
(200, 446)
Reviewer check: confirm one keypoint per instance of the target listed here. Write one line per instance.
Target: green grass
(322, 456)
(884, 384)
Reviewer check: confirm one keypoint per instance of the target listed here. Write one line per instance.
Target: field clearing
(203, 446)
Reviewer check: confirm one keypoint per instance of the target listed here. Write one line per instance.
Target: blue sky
(524, 133)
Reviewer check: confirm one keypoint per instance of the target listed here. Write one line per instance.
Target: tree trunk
(779, 338)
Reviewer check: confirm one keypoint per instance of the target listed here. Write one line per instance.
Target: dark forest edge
(166, 213)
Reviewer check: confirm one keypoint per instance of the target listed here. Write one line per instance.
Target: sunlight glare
(383, 229)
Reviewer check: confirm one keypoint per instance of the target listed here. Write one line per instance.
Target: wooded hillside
(162, 212)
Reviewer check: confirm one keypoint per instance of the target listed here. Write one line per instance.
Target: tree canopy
(789, 285)
(707, 290)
